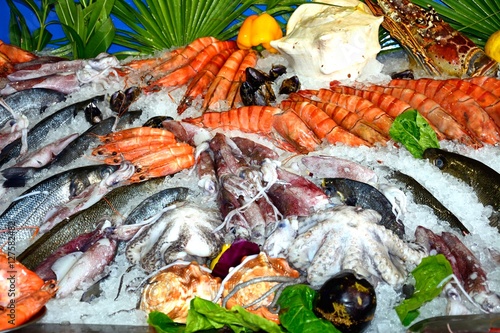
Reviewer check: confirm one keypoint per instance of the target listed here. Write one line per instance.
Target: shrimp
(169, 166)
(289, 125)
(233, 97)
(321, 124)
(184, 74)
(26, 307)
(491, 84)
(134, 154)
(156, 158)
(348, 120)
(186, 56)
(126, 145)
(250, 119)
(487, 100)
(462, 107)
(199, 84)
(219, 88)
(391, 105)
(152, 62)
(135, 132)
(363, 107)
(432, 112)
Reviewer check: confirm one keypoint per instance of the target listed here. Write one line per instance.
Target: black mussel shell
(290, 85)
(276, 71)
(256, 77)
(92, 113)
(117, 101)
(132, 94)
(156, 122)
(247, 93)
(347, 301)
(407, 74)
(264, 95)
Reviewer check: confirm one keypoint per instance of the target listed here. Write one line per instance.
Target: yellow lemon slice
(492, 46)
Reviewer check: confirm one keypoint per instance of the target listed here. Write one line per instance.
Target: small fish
(41, 131)
(32, 103)
(29, 211)
(423, 197)
(116, 203)
(484, 180)
(355, 193)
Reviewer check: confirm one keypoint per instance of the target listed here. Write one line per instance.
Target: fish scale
(31, 103)
(30, 211)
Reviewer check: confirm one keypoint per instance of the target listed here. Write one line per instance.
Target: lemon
(492, 46)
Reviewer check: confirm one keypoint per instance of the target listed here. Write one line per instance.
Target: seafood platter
(313, 185)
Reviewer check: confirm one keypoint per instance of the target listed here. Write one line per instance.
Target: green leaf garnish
(429, 277)
(414, 132)
(296, 314)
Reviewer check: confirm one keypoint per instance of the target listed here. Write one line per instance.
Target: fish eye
(440, 162)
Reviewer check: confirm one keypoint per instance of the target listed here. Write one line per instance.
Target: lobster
(430, 42)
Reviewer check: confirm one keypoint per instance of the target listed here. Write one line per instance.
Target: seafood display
(215, 173)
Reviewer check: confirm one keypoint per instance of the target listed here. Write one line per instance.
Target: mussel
(92, 113)
(290, 85)
(121, 100)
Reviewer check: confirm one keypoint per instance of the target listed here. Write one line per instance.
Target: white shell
(330, 42)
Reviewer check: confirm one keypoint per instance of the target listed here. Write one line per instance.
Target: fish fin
(16, 176)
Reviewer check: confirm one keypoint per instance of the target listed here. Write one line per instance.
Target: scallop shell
(172, 289)
(260, 266)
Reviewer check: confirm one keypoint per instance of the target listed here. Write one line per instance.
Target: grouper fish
(24, 215)
(484, 180)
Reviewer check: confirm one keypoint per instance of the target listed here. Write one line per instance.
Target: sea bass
(31, 103)
(115, 205)
(40, 132)
(27, 213)
(484, 180)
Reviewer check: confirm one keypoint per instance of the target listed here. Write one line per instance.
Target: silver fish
(28, 212)
(32, 103)
(117, 204)
(39, 133)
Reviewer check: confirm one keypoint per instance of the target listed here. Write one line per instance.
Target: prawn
(156, 158)
(152, 62)
(184, 74)
(363, 107)
(432, 112)
(219, 88)
(126, 145)
(459, 105)
(14, 54)
(135, 132)
(201, 81)
(321, 124)
(171, 165)
(489, 83)
(486, 99)
(233, 97)
(289, 125)
(250, 119)
(348, 120)
(134, 154)
(186, 55)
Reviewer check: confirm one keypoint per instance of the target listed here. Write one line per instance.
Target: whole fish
(39, 133)
(484, 180)
(354, 193)
(423, 197)
(73, 151)
(31, 103)
(27, 213)
(115, 204)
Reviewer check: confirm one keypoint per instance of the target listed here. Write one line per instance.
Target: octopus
(347, 237)
(183, 233)
(171, 289)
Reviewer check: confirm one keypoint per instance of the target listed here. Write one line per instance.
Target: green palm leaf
(160, 24)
